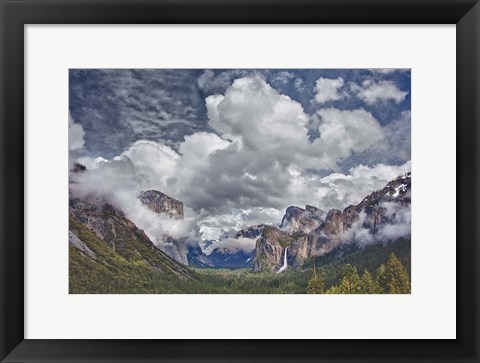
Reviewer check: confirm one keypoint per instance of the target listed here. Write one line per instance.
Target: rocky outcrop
(301, 220)
(76, 242)
(107, 222)
(250, 232)
(176, 248)
(308, 232)
(270, 249)
(368, 217)
(162, 203)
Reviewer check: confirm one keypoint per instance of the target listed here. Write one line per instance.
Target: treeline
(347, 270)
(389, 278)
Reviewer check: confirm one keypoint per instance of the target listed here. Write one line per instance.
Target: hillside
(109, 254)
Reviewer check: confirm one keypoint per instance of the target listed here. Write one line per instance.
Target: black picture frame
(15, 14)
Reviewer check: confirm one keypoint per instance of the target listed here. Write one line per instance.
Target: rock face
(366, 219)
(176, 248)
(250, 232)
(107, 222)
(162, 203)
(307, 232)
(270, 249)
(116, 237)
(79, 168)
(301, 220)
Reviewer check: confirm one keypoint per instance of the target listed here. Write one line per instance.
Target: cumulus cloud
(210, 82)
(257, 161)
(254, 113)
(344, 132)
(372, 92)
(76, 141)
(327, 89)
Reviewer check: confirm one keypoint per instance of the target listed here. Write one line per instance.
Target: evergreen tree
(333, 290)
(351, 281)
(315, 284)
(368, 285)
(381, 277)
(397, 279)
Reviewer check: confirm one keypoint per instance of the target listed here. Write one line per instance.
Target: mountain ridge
(363, 220)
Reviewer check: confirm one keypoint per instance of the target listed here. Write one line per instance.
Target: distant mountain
(226, 258)
(226, 253)
(196, 257)
(108, 253)
(379, 217)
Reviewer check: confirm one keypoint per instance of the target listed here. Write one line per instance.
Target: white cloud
(283, 77)
(388, 70)
(381, 91)
(255, 114)
(233, 245)
(340, 190)
(255, 169)
(344, 132)
(397, 224)
(327, 89)
(76, 141)
(299, 84)
(75, 135)
(210, 82)
(399, 133)
(197, 147)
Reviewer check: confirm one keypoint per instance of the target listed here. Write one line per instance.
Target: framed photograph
(239, 181)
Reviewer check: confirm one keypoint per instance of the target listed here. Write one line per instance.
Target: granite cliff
(309, 232)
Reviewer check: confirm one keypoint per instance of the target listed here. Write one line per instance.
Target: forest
(374, 269)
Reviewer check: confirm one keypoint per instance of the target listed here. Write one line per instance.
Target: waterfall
(285, 263)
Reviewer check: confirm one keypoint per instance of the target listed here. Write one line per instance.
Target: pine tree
(315, 284)
(351, 281)
(368, 285)
(381, 277)
(397, 279)
(333, 290)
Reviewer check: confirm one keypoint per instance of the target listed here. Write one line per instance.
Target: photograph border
(15, 14)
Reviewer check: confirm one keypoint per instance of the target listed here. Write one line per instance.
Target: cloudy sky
(238, 146)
